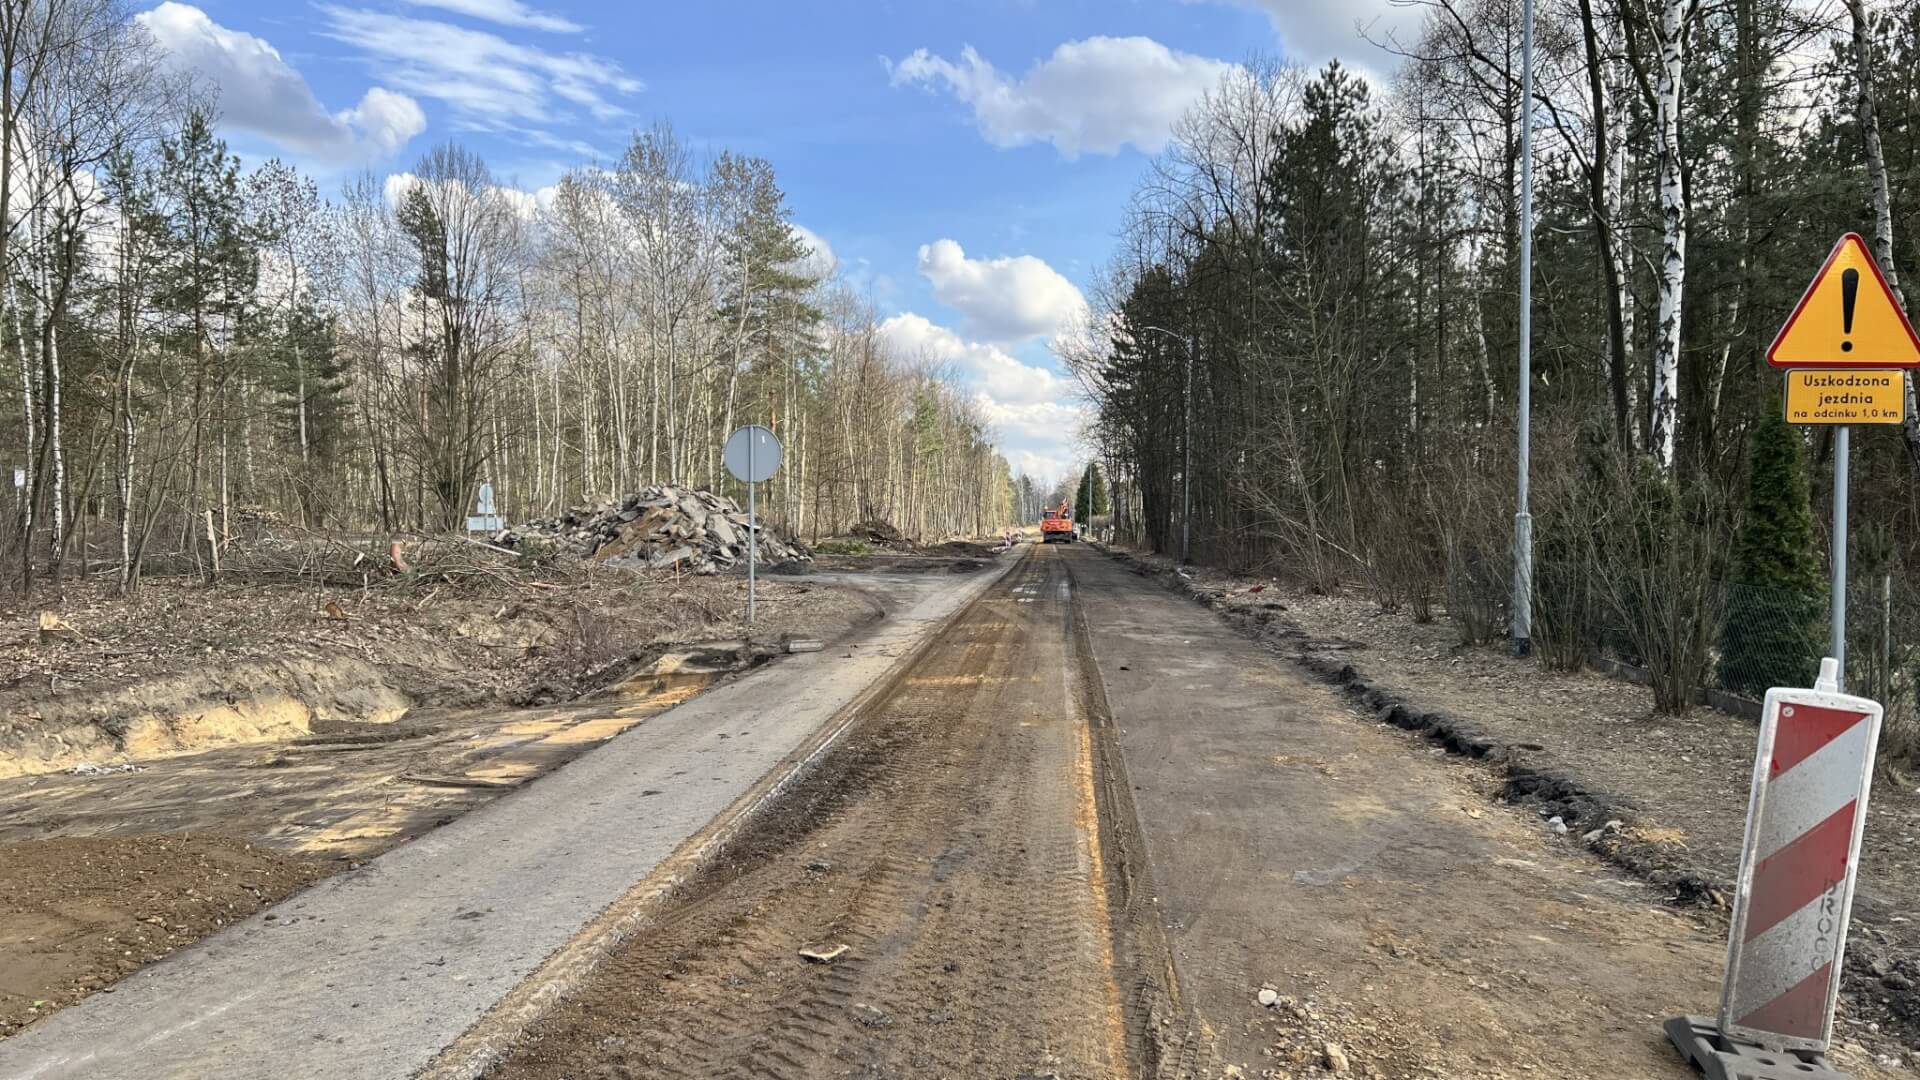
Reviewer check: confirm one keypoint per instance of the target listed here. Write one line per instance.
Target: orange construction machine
(1057, 524)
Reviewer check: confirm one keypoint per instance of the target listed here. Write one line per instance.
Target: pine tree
(1090, 499)
(765, 308)
(295, 360)
(1771, 634)
(204, 281)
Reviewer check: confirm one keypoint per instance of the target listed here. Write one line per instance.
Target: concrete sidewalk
(370, 974)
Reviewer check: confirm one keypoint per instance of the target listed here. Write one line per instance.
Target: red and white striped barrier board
(1809, 805)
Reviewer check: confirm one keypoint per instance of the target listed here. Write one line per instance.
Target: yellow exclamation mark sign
(1849, 292)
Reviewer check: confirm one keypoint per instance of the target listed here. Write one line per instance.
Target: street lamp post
(1186, 444)
(1523, 519)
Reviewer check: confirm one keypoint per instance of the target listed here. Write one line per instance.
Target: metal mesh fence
(1776, 638)
(1883, 656)
(1766, 637)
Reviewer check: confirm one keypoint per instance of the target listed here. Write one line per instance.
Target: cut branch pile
(659, 528)
(321, 559)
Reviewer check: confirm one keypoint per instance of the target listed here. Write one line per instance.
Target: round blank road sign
(752, 454)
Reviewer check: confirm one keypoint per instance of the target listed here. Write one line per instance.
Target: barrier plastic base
(1698, 1039)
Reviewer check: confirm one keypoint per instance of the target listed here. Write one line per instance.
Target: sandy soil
(493, 685)
(78, 913)
(191, 666)
(1399, 920)
(1680, 782)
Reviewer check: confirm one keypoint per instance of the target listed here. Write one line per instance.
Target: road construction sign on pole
(1811, 778)
(1848, 319)
(1846, 397)
(752, 455)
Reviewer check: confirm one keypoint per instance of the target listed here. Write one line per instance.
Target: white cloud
(1005, 300)
(1046, 469)
(1091, 96)
(487, 80)
(262, 94)
(1047, 423)
(819, 262)
(525, 203)
(578, 148)
(1041, 439)
(1036, 425)
(386, 119)
(991, 370)
(1035, 422)
(506, 13)
(1314, 31)
(397, 186)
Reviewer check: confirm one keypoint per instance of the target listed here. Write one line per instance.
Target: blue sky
(966, 161)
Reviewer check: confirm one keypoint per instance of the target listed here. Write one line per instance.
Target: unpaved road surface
(107, 871)
(78, 913)
(953, 847)
(1073, 833)
(1371, 880)
(101, 875)
(371, 973)
(1083, 836)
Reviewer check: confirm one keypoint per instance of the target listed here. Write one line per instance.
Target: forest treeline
(194, 343)
(1319, 279)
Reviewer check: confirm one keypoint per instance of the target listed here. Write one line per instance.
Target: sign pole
(753, 540)
(1186, 466)
(1854, 332)
(1846, 349)
(1842, 452)
(752, 455)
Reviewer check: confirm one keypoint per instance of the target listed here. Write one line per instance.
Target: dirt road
(1081, 829)
(1007, 910)
(955, 848)
(373, 972)
(105, 871)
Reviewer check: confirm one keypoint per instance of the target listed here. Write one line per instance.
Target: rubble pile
(659, 528)
(879, 534)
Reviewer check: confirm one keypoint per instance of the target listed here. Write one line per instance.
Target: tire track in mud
(956, 842)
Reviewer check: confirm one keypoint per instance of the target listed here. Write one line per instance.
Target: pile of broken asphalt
(658, 528)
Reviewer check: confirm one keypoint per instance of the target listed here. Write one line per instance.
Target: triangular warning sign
(1848, 318)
